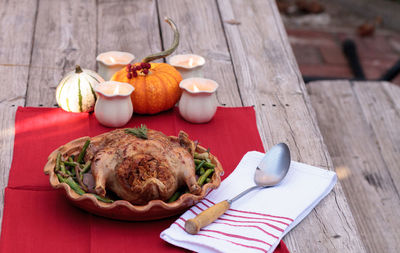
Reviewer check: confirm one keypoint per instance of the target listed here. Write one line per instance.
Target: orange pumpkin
(157, 85)
(155, 92)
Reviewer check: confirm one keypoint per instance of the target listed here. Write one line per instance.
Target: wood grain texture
(206, 217)
(268, 77)
(380, 104)
(357, 153)
(65, 35)
(129, 26)
(201, 32)
(17, 22)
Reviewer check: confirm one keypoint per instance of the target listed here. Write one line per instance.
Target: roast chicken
(139, 169)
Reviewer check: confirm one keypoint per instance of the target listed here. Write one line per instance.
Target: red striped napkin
(259, 220)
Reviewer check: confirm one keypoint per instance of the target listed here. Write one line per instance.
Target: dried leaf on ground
(232, 22)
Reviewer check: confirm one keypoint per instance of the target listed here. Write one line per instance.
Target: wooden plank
(380, 104)
(65, 35)
(356, 154)
(201, 32)
(268, 77)
(17, 21)
(129, 26)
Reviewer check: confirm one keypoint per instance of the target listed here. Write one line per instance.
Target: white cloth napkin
(257, 221)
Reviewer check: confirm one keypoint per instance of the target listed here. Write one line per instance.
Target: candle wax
(113, 89)
(201, 87)
(191, 62)
(186, 61)
(115, 59)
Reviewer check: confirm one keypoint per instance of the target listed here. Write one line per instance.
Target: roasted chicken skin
(139, 170)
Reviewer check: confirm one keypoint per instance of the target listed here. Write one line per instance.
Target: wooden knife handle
(209, 215)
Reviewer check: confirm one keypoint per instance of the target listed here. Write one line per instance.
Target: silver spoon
(271, 170)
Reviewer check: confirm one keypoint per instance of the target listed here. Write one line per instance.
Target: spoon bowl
(273, 167)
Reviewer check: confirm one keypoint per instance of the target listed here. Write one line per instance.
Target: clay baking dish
(122, 209)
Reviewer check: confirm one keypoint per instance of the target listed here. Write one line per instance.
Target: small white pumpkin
(75, 92)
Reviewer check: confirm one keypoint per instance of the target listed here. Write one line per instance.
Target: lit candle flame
(116, 91)
(190, 62)
(195, 88)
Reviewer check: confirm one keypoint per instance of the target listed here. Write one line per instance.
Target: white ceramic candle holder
(113, 106)
(198, 103)
(188, 65)
(111, 62)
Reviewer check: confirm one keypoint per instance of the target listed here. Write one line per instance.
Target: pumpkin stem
(78, 69)
(168, 51)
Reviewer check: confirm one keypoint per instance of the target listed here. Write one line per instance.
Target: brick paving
(319, 53)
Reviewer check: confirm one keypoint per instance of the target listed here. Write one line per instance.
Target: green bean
(72, 165)
(70, 159)
(103, 199)
(174, 197)
(83, 151)
(203, 177)
(200, 165)
(58, 162)
(74, 186)
(86, 167)
(202, 171)
(202, 156)
(60, 178)
(79, 178)
(68, 163)
(208, 180)
(206, 164)
(209, 165)
(64, 170)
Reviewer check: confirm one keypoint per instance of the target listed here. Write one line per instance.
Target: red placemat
(39, 219)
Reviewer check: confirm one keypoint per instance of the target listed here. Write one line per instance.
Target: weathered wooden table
(41, 40)
(360, 125)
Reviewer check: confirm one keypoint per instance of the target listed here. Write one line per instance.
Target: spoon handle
(243, 193)
(192, 226)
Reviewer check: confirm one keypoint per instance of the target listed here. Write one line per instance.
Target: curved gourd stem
(168, 51)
